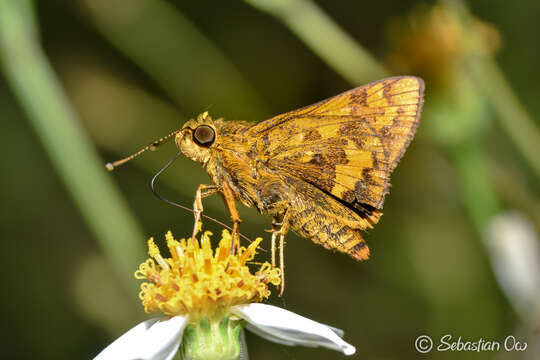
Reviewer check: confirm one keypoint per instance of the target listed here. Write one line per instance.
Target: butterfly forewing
(349, 144)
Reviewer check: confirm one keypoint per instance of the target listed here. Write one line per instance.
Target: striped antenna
(152, 147)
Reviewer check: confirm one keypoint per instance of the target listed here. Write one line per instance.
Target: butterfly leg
(280, 228)
(282, 262)
(273, 251)
(202, 192)
(231, 206)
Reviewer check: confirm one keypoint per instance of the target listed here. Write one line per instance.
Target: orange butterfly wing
(346, 145)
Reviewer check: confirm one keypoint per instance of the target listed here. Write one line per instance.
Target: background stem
(65, 141)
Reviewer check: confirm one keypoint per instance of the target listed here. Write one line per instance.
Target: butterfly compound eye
(204, 135)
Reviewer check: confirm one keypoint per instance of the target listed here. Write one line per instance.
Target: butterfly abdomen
(331, 233)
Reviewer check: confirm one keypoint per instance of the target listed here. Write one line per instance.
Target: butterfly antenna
(152, 147)
(153, 188)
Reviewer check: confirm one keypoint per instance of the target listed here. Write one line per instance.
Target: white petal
(154, 339)
(512, 242)
(287, 328)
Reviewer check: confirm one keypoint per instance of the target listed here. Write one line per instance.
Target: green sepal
(212, 339)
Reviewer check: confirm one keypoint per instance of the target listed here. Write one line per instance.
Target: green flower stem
(213, 340)
(70, 150)
(325, 38)
(513, 117)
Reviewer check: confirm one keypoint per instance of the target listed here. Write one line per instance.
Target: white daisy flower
(208, 297)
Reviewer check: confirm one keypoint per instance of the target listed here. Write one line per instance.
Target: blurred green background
(89, 81)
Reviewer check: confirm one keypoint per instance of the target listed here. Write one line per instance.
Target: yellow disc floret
(199, 281)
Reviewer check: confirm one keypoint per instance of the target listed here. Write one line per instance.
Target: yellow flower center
(201, 282)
